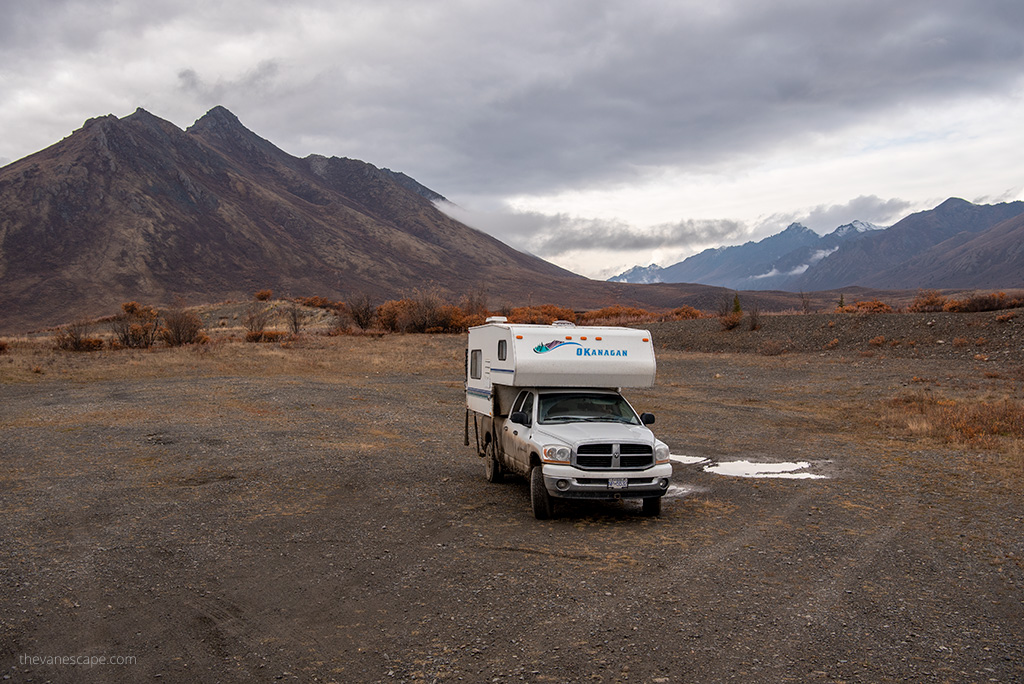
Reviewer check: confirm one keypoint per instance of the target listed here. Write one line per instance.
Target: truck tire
(652, 507)
(492, 469)
(543, 507)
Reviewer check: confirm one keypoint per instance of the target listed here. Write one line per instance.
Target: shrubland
(267, 320)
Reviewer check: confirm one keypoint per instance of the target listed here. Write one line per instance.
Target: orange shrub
(683, 313)
(873, 306)
(446, 319)
(318, 302)
(264, 295)
(731, 321)
(544, 314)
(135, 327)
(994, 301)
(73, 337)
(927, 301)
(395, 315)
(615, 315)
(427, 313)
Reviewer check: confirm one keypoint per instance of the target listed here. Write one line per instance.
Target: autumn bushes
(935, 301)
(75, 337)
(266, 319)
(427, 312)
(137, 326)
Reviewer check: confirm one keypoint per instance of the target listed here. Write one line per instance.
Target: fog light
(562, 485)
(663, 483)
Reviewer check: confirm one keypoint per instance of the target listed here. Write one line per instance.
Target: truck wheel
(492, 469)
(652, 506)
(543, 507)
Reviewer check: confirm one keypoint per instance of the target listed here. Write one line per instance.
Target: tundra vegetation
(264, 319)
(991, 419)
(981, 421)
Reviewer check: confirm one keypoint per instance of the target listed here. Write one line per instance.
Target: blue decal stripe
(503, 370)
(486, 394)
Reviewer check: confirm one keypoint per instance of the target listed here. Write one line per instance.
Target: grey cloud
(259, 79)
(681, 87)
(555, 235)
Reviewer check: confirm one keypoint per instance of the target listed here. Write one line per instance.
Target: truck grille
(614, 456)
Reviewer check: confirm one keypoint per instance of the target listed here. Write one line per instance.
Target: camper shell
(544, 401)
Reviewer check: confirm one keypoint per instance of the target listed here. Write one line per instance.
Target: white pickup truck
(544, 402)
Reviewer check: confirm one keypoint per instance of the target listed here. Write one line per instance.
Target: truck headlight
(661, 453)
(557, 454)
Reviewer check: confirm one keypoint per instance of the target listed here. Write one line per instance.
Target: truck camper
(545, 403)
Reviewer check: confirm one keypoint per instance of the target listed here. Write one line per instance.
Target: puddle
(789, 471)
(779, 470)
(679, 491)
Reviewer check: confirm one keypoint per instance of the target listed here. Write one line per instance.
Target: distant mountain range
(955, 245)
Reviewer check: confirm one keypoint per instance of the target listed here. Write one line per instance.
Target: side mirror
(647, 418)
(519, 417)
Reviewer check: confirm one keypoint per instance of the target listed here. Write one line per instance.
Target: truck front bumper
(566, 482)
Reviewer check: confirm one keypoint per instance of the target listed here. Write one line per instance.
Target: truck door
(515, 434)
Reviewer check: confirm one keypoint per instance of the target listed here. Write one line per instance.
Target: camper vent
(564, 324)
(496, 319)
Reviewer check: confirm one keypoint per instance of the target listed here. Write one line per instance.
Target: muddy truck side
(544, 402)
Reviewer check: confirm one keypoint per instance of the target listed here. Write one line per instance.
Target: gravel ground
(252, 513)
(995, 335)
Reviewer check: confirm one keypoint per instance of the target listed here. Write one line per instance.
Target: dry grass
(991, 424)
(342, 359)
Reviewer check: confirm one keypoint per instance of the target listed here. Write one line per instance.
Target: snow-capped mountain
(857, 253)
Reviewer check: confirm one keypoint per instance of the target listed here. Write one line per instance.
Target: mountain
(640, 274)
(764, 265)
(993, 259)
(955, 245)
(136, 208)
(882, 258)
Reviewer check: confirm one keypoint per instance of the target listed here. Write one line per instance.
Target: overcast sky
(596, 134)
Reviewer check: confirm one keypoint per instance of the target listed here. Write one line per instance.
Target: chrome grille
(614, 456)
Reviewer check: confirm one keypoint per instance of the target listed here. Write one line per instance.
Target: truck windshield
(577, 407)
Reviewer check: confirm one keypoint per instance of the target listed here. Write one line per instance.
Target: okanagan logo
(545, 347)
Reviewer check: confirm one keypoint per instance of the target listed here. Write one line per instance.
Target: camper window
(502, 350)
(475, 357)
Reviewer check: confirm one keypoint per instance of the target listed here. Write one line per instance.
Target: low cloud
(776, 272)
(549, 236)
(821, 254)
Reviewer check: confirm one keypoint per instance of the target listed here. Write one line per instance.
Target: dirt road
(260, 514)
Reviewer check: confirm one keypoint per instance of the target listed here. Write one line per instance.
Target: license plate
(617, 483)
